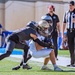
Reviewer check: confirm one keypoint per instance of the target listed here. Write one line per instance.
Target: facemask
(46, 31)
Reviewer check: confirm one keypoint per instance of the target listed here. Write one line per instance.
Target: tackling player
(38, 51)
(30, 32)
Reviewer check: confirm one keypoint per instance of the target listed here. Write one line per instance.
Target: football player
(40, 29)
(29, 32)
(38, 51)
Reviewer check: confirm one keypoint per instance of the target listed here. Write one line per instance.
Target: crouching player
(38, 51)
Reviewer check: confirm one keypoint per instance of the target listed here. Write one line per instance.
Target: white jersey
(41, 38)
(38, 53)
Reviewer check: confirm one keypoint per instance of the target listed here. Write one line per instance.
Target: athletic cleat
(16, 68)
(71, 65)
(56, 58)
(26, 67)
(57, 69)
(45, 68)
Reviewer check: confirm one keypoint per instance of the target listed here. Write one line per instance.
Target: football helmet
(43, 24)
(33, 25)
(43, 27)
(48, 19)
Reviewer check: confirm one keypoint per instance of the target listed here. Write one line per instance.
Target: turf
(64, 53)
(7, 64)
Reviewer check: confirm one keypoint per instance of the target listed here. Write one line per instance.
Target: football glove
(51, 45)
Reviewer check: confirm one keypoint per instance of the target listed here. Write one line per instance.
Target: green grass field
(7, 64)
(64, 53)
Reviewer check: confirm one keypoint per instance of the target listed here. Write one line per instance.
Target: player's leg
(52, 58)
(21, 63)
(25, 57)
(25, 66)
(25, 48)
(46, 60)
(45, 67)
(45, 53)
(9, 48)
(28, 57)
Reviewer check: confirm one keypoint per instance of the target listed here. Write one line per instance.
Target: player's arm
(41, 43)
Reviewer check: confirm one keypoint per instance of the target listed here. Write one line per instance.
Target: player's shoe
(56, 58)
(57, 69)
(26, 67)
(16, 68)
(45, 68)
(71, 65)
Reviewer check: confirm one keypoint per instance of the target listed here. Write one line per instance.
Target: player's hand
(51, 45)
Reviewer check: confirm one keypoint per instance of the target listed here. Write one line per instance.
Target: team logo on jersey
(54, 17)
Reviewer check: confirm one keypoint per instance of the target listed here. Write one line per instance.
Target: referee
(56, 27)
(69, 20)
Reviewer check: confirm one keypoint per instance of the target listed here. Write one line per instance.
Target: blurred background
(15, 14)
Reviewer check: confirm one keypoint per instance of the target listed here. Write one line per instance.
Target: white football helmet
(43, 27)
(43, 24)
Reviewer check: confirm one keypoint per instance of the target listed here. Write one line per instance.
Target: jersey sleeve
(33, 32)
(64, 18)
(30, 31)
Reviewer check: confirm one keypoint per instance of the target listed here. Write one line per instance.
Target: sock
(24, 63)
(44, 66)
(55, 66)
